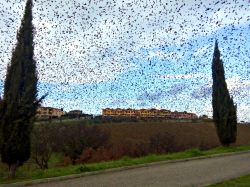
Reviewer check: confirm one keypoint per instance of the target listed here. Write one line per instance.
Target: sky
(134, 54)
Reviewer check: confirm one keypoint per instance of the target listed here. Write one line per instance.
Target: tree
(224, 110)
(1, 114)
(19, 103)
(78, 137)
(42, 144)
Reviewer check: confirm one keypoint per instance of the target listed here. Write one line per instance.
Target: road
(188, 173)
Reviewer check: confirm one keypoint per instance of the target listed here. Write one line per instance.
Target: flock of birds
(81, 42)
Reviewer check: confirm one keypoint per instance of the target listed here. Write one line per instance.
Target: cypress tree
(19, 103)
(224, 110)
(1, 114)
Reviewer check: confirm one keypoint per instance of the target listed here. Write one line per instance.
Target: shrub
(162, 143)
(41, 145)
(73, 139)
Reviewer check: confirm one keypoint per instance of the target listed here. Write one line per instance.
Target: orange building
(48, 112)
(147, 113)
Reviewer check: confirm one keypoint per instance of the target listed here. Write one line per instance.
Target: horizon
(119, 108)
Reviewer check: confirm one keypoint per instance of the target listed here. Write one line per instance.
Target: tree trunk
(12, 170)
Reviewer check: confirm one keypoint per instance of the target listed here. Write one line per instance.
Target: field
(135, 139)
(187, 135)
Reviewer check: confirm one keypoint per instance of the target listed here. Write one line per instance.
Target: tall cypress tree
(224, 110)
(19, 104)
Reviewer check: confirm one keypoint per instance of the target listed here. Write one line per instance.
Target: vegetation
(80, 145)
(88, 143)
(111, 145)
(243, 181)
(47, 139)
(25, 174)
(224, 110)
(19, 103)
(53, 145)
(41, 143)
(163, 142)
(77, 138)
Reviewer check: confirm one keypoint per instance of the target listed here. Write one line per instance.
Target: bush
(41, 145)
(73, 139)
(91, 155)
(163, 143)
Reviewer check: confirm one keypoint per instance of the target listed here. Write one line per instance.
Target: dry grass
(187, 134)
(133, 139)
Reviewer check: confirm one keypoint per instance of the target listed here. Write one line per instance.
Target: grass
(243, 181)
(24, 175)
(127, 135)
(203, 133)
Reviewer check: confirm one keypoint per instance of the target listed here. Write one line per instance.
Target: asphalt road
(199, 172)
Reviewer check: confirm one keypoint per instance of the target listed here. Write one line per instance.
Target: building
(74, 114)
(185, 115)
(147, 113)
(203, 117)
(48, 113)
(78, 114)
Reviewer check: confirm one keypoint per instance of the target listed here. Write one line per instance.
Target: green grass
(64, 121)
(31, 174)
(243, 181)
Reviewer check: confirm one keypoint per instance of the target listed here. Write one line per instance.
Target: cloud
(79, 42)
(236, 86)
(229, 13)
(203, 92)
(152, 96)
(176, 89)
(243, 111)
(75, 33)
(164, 56)
(183, 76)
(118, 103)
(202, 50)
(236, 82)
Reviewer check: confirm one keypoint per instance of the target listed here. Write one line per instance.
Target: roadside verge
(53, 179)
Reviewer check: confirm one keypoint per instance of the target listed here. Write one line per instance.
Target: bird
(114, 49)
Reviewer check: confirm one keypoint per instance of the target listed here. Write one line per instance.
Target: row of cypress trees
(19, 103)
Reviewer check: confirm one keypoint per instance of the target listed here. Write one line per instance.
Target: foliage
(125, 161)
(130, 140)
(224, 110)
(73, 139)
(162, 142)
(243, 181)
(19, 103)
(133, 139)
(41, 145)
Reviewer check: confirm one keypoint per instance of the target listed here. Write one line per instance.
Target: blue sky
(138, 54)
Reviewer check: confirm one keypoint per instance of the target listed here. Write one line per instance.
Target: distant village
(44, 113)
